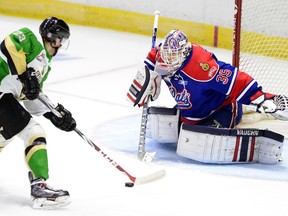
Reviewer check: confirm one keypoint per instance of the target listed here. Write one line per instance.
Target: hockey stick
(137, 180)
(142, 154)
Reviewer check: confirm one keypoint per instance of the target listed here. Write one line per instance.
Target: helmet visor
(63, 42)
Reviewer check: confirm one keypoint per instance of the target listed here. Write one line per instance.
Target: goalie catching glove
(146, 83)
(281, 102)
(264, 103)
(276, 105)
(66, 122)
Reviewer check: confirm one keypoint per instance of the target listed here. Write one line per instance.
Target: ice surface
(91, 79)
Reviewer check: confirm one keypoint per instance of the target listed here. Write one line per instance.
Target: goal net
(261, 42)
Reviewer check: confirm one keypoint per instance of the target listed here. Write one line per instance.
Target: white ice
(91, 79)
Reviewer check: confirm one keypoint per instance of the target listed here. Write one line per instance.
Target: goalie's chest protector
(193, 86)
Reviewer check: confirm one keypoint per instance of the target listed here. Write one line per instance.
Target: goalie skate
(45, 197)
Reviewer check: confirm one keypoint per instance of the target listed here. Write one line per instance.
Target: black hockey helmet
(53, 28)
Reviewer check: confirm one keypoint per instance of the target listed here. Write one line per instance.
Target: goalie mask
(174, 49)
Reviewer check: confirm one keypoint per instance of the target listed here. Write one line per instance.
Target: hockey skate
(45, 197)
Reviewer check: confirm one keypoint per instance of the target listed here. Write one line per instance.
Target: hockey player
(207, 91)
(24, 66)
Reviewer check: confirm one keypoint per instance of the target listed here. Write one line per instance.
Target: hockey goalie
(209, 95)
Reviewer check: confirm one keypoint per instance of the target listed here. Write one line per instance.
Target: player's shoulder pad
(201, 66)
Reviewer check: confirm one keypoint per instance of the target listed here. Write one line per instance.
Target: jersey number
(223, 76)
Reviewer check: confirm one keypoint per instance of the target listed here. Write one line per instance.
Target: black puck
(129, 184)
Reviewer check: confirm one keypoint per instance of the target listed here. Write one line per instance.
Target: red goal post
(260, 42)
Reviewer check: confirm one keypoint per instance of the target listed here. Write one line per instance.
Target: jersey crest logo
(181, 97)
(20, 35)
(204, 66)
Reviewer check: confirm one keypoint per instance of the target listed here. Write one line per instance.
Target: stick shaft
(155, 28)
(142, 180)
(141, 145)
(109, 159)
(97, 148)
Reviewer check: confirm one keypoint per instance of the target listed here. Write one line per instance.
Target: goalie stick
(137, 180)
(142, 154)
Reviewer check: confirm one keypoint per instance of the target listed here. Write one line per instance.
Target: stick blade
(151, 177)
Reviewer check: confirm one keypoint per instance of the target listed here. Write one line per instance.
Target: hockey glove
(264, 103)
(66, 122)
(281, 102)
(145, 83)
(31, 86)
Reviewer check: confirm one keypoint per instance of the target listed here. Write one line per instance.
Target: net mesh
(264, 43)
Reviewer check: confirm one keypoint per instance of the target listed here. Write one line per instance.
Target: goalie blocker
(146, 83)
(214, 145)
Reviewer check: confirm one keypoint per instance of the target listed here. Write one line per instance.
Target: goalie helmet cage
(260, 42)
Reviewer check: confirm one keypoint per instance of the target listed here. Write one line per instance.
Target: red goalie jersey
(205, 89)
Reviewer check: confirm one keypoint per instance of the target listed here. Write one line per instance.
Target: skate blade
(44, 203)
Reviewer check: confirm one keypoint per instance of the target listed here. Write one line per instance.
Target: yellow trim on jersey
(32, 139)
(35, 149)
(119, 20)
(18, 57)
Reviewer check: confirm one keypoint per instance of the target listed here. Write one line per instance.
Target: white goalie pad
(227, 146)
(162, 124)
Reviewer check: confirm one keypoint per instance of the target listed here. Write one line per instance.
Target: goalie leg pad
(162, 124)
(227, 146)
